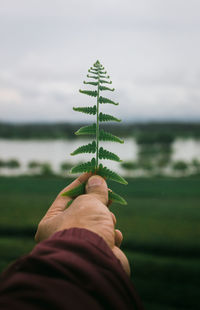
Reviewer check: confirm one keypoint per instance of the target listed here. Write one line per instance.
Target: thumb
(97, 187)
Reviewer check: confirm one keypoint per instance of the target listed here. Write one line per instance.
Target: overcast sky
(150, 48)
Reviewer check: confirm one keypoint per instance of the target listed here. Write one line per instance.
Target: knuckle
(89, 200)
(86, 198)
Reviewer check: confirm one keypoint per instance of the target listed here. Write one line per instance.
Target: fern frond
(88, 148)
(116, 198)
(91, 83)
(86, 167)
(104, 81)
(106, 118)
(101, 80)
(76, 191)
(106, 88)
(109, 174)
(107, 136)
(104, 154)
(86, 130)
(87, 110)
(92, 93)
(106, 100)
(92, 77)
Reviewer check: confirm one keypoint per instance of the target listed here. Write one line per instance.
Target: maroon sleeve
(73, 269)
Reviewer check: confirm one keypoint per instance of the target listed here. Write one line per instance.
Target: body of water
(57, 151)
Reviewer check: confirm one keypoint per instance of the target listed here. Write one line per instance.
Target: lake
(57, 151)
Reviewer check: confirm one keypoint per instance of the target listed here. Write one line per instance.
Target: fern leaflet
(92, 76)
(92, 93)
(104, 81)
(91, 83)
(107, 136)
(104, 154)
(106, 118)
(89, 148)
(106, 100)
(109, 174)
(106, 88)
(86, 130)
(87, 110)
(74, 192)
(86, 167)
(116, 198)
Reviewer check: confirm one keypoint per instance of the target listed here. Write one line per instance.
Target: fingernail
(94, 181)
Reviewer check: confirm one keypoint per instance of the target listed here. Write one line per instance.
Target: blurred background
(150, 49)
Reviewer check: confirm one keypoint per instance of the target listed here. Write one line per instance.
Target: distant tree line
(145, 165)
(144, 133)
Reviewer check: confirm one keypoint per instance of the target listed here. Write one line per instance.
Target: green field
(160, 226)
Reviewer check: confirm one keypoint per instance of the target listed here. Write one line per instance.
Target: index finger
(60, 202)
(81, 179)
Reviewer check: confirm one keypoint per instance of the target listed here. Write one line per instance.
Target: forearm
(72, 269)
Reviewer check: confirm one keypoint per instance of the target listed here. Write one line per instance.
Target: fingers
(123, 259)
(60, 202)
(82, 178)
(97, 187)
(118, 237)
(113, 218)
(118, 234)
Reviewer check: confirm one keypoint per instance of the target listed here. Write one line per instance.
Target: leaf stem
(97, 127)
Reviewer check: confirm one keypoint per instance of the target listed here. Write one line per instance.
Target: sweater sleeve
(73, 269)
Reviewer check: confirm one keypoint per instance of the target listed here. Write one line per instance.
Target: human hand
(87, 211)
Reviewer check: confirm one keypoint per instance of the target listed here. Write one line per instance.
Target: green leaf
(106, 118)
(80, 190)
(104, 81)
(116, 198)
(92, 77)
(106, 88)
(76, 191)
(89, 148)
(104, 76)
(93, 72)
(106, 100)
(92, 93)
(92, 68)
(97, 64)
(86, 130)
(107, 136)
(104, 154)
(87, 110)
(102, 72)
(109, 174)
(69, 203)
(91, 83)
(86, 167)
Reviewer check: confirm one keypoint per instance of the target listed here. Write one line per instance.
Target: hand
(87, 211)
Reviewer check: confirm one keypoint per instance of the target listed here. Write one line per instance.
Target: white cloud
(9, 96)
(150, 48)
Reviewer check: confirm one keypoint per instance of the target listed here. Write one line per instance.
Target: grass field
(160, 226)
